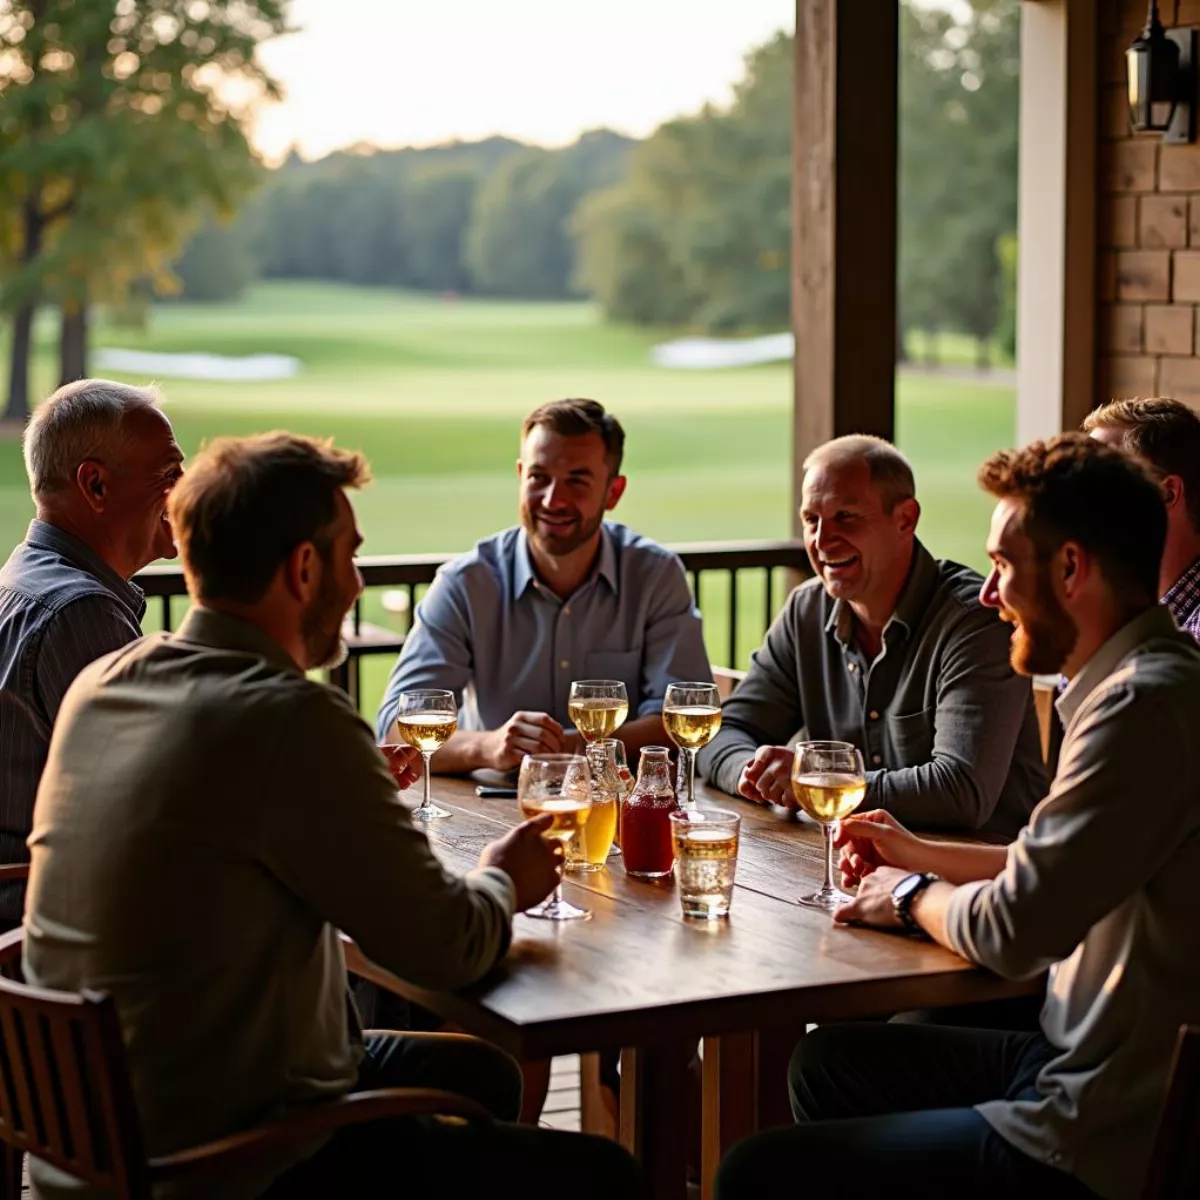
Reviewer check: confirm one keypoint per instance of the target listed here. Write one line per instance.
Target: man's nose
(989, 594)
(555, 495)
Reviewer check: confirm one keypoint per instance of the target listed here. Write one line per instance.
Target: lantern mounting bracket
(1183, 121)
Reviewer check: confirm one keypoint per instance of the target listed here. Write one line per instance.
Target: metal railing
(718, 570)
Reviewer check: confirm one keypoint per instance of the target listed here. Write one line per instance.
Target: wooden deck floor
(561, 1110)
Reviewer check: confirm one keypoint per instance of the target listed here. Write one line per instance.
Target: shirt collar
(46, 536)
(1153, 623)
(523, 573)
(914, 599)
(222, 631)
(1183, 596)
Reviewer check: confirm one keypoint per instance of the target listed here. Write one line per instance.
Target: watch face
(906, 886)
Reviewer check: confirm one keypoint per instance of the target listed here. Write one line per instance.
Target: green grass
(433, 392)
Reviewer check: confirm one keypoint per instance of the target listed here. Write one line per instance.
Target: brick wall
(1148, 231)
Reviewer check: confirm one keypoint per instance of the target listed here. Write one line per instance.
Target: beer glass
(706, 846)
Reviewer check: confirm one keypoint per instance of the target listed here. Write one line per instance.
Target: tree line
(488, 218)
(690, 228)
(122, 162)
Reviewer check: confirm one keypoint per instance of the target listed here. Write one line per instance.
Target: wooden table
(640, 977)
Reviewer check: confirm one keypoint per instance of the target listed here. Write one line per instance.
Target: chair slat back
(65, 1093)
(1174, 1172)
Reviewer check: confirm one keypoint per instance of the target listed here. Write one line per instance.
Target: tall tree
(116, 134)
(699, 233)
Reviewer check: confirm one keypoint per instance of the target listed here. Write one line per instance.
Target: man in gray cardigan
(890, 649)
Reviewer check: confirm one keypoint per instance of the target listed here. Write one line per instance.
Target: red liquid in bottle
(646, 843)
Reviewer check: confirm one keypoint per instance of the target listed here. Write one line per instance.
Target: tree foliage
(699, 232)
(116, 134)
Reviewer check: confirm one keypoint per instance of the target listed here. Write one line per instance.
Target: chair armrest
(352, 1109)
(14, 871)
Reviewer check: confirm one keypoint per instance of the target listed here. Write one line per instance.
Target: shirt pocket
(912, 738)
(625, 665)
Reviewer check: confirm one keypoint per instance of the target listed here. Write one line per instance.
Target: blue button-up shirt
(61, 607)
(491, 632)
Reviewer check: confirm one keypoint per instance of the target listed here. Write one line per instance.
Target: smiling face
(1020, 586)
(860, 550)
(566, 488)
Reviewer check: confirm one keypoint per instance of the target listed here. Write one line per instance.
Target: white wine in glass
(597, 707)
(691, 716)
(559, 784)
(426, 719)
(829, 783)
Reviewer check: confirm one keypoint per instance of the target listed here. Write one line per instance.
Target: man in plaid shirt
(1165, 435)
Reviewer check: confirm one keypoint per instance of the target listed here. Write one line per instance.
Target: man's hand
(404, 762)
(767, 777)
(532, 862)
(523, 733)
(873, 904)
(871, 840)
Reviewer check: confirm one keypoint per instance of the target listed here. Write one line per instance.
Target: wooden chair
(66, 1097)
(11, 871)
(727, 679)
(1174, 1172)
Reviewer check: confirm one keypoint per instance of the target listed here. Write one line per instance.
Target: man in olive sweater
(210, 818)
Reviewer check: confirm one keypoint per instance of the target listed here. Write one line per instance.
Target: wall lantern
(1162, 83)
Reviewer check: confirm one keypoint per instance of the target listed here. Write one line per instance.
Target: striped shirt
(61, 607)
(1183, 599)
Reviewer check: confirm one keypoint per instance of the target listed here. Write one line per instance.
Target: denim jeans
(886, 1110)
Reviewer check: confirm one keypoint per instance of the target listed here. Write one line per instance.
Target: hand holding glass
(691, 716)
(829, 783)
(426, 718)
(598, 707)
(559, 784)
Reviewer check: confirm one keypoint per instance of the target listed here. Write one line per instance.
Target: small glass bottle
(646, 842)
(596, 837)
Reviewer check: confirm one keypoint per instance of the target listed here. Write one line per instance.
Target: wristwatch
(905, 892)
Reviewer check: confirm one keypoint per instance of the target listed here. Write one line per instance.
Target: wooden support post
(653, 1115)
(844, 222)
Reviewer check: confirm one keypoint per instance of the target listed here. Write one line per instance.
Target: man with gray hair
(101, 459)
(890, 649)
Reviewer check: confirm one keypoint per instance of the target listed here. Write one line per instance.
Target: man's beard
(321, 627)
(1044, 638)
(559, 547)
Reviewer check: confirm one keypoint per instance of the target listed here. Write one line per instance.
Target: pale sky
(413, 72)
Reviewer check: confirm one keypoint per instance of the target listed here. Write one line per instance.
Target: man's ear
(1072, 567)
(907, 513)
(616, 489)
(1173, 491)
(91, 478)
(302, 572)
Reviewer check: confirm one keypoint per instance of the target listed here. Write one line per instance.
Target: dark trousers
(885, 1110)
(418, 1157)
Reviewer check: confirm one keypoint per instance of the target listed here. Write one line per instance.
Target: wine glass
(691, 716)
(598, 707)
(426, 718)
(559, 784)
(829, 783)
